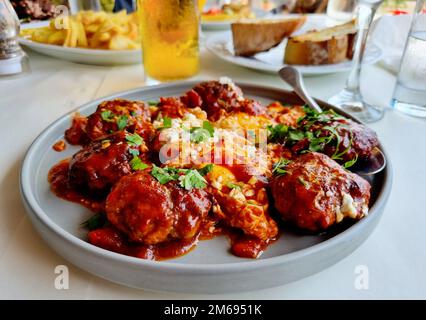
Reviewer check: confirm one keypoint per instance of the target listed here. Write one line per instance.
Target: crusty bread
(327, 46)
(257, 35)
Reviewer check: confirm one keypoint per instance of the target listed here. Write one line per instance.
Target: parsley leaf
(209, 128)
(199, 135)
(134, 152)
(163, 175)
(134, 139)
(350, 163)
(95, 222)
(167, 122)
(152, 103)
(188, 178)
(296, 135)
(206, 169)
(303, 182)
(122, 122)
(278, 168)
(192, 179)
(233, 186)
(278, 132)
(107, 115)
(137, 164)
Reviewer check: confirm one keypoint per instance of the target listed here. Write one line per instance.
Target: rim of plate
(52, 47)
(28, 197)
(373, 54)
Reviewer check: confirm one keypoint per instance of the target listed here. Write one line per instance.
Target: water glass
(410, 90)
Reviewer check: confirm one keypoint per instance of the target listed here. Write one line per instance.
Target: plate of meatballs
(203, 187)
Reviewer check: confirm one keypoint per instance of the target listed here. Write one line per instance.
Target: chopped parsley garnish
(209, 128)
(350, 163)
(278, 168)
(152, 103)
(164, 175)
(202, 134)
(192, 179)
(134, 152)
(315, 130)
(167, 122)
(295, 135)
(137, 164)
(188, 178)
(231, 185)
(95, 222)
(122, 122)
(283, 133)
(303, 182)
(134, 139)
(206, 169)
(107, 115)
(199, 135)
(278, 132)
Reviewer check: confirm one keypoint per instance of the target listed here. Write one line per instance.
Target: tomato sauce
(59, 146)
(111, 239)
(58, 179)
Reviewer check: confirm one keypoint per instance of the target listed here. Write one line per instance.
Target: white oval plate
(210, 267)
(81, 55)
(271, 61)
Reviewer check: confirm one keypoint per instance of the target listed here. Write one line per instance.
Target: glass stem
(366, 11)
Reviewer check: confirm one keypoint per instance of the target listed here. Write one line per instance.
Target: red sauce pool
(111, 239)
(58, 179)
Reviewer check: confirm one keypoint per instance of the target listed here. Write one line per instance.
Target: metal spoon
(375, 163)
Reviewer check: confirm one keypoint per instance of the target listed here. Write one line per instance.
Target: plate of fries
(88, 37)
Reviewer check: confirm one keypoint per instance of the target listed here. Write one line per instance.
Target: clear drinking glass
(342, 10)
(170, 34)
(13, 60)
(410, 90)
(350, 98)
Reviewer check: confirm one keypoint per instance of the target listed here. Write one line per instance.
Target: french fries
(90, 29)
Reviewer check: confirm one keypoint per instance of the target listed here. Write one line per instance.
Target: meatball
(117, 115)
(349, 139)
(150, 213)
(315, 192)
(191, 208)
(101, 163)
(76, 134)
(219, 99)
(171, 107)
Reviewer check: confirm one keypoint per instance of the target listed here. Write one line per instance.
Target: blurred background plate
(271, 61)
(81, 55)
(86, 56)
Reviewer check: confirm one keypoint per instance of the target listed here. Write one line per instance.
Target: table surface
(394, 254)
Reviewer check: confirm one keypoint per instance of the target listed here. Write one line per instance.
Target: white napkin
(390, 33)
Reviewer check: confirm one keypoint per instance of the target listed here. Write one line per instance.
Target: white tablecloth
(394, 254)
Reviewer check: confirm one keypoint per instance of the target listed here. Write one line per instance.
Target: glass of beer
(170, 32)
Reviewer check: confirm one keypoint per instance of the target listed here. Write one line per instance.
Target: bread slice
(327, 46)
(257, 35)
